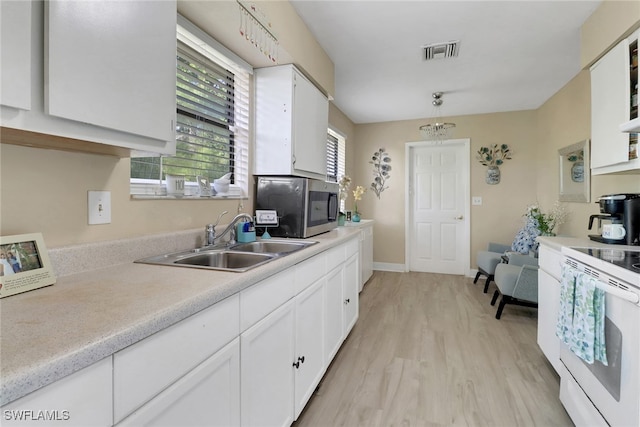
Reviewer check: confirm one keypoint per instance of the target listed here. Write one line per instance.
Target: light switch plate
(99, 207)
(476, 201)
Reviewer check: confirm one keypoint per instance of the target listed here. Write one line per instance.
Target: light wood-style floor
(427, 351)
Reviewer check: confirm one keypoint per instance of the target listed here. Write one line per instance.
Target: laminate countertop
(90, 314)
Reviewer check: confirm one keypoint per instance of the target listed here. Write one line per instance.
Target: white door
(438, 207)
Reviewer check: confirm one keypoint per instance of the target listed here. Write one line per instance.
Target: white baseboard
(387, 266)
(400, 268)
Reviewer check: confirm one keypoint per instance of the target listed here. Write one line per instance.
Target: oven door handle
(620, 293)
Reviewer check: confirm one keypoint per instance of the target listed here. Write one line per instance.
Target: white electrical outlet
(99, 207)
(476, 201)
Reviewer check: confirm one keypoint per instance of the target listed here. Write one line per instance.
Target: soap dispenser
(245, 232)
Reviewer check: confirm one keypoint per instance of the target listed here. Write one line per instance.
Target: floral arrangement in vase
(357, 195)
(537, 224)
(343, 192)
(493, 157)
(381, 168)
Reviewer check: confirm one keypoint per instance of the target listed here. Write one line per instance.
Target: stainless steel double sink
(239, 257)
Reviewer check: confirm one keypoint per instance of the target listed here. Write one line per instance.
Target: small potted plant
(357, 195)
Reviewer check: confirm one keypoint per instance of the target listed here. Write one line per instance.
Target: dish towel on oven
(581, 316)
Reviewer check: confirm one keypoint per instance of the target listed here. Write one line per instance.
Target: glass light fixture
(439, 130)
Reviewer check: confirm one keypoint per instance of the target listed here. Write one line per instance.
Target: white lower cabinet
(350, 292)
(549, 304)
(81, 399)
(252, 359)
(266, 366)
(309, 360)
(366, 253)
(334, 313)
(208, 395)
(143, 370)
(283, 360)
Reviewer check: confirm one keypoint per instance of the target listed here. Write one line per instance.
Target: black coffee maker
(619, 209)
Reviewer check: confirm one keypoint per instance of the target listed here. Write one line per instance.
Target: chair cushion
(506, 276)
(488, 261)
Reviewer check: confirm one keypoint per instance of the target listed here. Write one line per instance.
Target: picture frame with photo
(24, 264)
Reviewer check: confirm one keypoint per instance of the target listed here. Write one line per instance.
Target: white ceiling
(514, 55)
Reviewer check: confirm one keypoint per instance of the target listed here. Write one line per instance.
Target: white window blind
(335, 156)
(212, 116)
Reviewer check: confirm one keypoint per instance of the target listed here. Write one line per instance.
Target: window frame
(204, 44)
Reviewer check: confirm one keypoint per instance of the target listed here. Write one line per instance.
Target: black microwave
(305, 207)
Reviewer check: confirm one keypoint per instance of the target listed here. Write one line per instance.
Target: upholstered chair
(488, 260)
(517, 282)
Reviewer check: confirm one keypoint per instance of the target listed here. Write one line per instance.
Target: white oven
(595, 394)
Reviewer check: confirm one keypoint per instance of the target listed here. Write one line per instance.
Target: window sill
(140, 190)
(228, 196)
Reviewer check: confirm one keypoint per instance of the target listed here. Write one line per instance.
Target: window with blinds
(212, 110)
(335, 156)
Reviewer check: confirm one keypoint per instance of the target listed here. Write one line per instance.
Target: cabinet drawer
(80, 399)
(352, 247)
(550, 261)
(264, 297)
(144, 369)
(309, 271)
(336, 256)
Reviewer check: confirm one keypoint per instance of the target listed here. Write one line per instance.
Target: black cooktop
(629, 260)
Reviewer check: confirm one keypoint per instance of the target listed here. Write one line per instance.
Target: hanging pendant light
(439, 130)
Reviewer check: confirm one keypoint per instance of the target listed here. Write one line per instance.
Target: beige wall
(497, 219)
(46, 191)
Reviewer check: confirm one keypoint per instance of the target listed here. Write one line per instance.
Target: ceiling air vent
(441, 50)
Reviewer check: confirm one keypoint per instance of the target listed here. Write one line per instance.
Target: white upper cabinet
(112, 64)
(292, 117)
(610, 106)
(15, 54)
(101, 72)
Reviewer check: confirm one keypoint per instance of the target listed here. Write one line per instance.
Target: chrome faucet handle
(209, 235)
(210, 231)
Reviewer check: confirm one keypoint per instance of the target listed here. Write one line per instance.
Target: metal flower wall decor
(381, 168)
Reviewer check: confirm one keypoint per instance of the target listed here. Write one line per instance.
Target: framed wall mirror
(575, 173)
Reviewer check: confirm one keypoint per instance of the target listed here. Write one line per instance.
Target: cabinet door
(610, 107)
(310, 121)
(15, 54)
(208, 395)
(366, 255)
(309, 356)
(548, 306)
(81, 399)
(350, 291)
(266, 366)
(112, 64)
(334, 313)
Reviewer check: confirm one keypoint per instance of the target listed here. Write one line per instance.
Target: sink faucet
(231, 227)
(211, 233)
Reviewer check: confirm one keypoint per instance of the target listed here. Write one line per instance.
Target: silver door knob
(459, 217)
